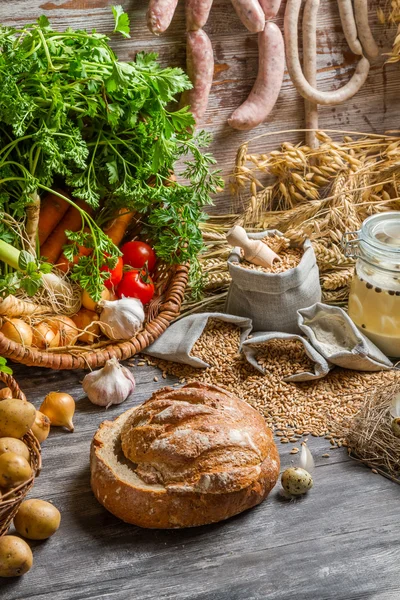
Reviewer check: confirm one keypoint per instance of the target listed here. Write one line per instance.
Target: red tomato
(115, 274)
(136, 254)
(136, 284)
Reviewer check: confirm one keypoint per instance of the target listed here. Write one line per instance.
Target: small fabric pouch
(177, 342)
(251, 348)
(333, 334)
(271, 300)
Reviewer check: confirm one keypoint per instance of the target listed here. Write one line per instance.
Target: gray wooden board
(341, 542)
(373, 109)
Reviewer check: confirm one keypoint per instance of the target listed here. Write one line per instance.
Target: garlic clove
(110, 385)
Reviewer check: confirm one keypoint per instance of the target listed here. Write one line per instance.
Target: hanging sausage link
(295, 71)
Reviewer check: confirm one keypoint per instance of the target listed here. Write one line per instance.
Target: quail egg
(296, 481)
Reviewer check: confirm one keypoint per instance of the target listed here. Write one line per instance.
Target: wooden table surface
(341, 542)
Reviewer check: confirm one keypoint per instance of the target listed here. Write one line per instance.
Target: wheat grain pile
(318, 408)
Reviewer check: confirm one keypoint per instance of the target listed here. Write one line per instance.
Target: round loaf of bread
(185, 457)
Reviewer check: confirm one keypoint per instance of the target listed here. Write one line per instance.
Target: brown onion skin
(66, 328)
(45, 336)
(17, 331)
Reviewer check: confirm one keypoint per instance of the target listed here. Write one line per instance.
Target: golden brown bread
(185, 457)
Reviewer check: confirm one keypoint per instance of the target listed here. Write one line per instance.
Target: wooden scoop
(255, 251)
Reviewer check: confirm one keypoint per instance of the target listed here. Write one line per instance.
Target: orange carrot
(52, 210)
(72, 221)
(64, 264)
(116, 228)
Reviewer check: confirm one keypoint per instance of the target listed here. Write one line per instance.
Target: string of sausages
(359, 38)
(256, 16)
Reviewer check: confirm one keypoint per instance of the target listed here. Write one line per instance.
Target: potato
(14, 470)
(16, 417)
(41, 427)
(15, 556)
(10, 444)
(37, 519)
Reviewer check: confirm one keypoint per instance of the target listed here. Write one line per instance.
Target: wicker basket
(10, 502)
(171, 286)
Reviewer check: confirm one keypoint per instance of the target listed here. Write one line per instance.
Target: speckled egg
(296, 481)
(396, 426)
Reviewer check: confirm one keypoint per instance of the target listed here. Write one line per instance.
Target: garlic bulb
(121, 319)
(110, 385)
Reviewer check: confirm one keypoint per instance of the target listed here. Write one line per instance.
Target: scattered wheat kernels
(318, 407)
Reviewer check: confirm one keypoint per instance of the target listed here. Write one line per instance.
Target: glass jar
(374, 302)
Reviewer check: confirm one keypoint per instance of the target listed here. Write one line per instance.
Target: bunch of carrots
(57, 216)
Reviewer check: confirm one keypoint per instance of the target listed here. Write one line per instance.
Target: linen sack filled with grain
(271, 300)
(252, 346)
(177, 341)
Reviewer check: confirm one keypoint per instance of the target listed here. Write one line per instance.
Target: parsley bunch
(70, 110)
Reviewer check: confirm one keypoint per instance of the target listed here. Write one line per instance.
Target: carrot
(72, 221)
(64, 264)
(52, 210)
(116, 228)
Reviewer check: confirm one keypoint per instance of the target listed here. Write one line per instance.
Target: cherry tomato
(115, 274)
(136, 284)
(136, 254)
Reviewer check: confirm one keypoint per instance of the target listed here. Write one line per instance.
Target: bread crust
(174, 506)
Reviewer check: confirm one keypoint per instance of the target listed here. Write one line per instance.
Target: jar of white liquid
(374, 302)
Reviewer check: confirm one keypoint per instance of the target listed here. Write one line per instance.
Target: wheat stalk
(337, 279)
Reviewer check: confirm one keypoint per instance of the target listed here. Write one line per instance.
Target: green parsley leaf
(3, 366)
(121, 21)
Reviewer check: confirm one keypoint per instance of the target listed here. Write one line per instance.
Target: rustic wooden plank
(374, 108)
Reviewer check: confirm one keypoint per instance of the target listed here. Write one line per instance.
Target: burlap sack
(321, 367)
(333, 334)
(178, 340)
(271, 300)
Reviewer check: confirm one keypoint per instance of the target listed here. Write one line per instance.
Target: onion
(5, 393)
(90, 304)
(86, 320)
(18, 331)
(66, 328)
(56, 284)
(45, 336)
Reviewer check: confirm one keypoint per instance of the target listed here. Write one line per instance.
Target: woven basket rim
(122, 350)
(10, 506)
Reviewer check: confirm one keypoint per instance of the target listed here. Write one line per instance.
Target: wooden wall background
(374, 109)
